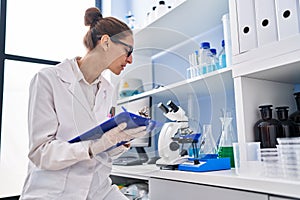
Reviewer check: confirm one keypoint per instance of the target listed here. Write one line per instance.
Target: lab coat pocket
(51, 183)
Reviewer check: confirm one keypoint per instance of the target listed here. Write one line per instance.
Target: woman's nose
(129, 59)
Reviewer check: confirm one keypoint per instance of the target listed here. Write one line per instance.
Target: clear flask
(225, 147)
(207, 142)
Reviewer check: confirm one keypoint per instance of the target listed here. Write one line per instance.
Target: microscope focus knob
(174, 146)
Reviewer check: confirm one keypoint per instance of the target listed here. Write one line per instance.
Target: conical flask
(207, 144)
(225, 147)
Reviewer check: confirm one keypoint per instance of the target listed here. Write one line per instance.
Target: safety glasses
(129, 52)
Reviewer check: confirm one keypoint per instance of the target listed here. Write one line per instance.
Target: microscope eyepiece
(163, 108)
(173, 106)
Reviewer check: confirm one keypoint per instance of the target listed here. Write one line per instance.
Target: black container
(295, 116)
(267, 129)
(288, 127)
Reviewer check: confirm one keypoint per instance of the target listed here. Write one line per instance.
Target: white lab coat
(59, 111)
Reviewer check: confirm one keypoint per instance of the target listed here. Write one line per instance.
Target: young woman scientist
(69, 99)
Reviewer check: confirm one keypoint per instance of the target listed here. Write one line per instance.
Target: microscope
(173, 136)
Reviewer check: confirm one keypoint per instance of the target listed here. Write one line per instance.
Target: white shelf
(279, 61)
(189, 19)
(213, 82)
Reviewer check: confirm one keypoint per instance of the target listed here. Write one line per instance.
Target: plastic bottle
(267, 129)
(225, 147)
(131, 20)
(161, 9)
(295, 116)
(214, 60)
(204, 57)
(152, 15)
(288, 127)
(222, 56)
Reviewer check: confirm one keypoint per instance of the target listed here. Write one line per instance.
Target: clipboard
(132, 120)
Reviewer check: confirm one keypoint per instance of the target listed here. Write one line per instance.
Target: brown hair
(100, 26)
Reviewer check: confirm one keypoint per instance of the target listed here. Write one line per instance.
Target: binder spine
(287, 12)
(266, 25)
(246, 25)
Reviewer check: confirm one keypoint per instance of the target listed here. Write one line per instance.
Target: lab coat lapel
(76, 90)
(64, 71)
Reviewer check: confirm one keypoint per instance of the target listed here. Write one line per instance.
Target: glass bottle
(287, 125)
(295, 116)
(161, 9)
(222, 56)
(267, 129)
(225, 147)
(204, 57)
(214, 60)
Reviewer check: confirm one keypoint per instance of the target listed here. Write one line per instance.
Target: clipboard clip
(124, 109)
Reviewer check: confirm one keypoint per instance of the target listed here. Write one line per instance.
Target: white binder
(246, 25)
(287, 12)
(266, 21)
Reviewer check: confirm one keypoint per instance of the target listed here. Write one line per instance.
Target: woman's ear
(104, 41)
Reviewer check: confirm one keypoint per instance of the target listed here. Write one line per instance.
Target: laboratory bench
(225, 184)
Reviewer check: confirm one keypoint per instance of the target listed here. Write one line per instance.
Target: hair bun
(92, 15)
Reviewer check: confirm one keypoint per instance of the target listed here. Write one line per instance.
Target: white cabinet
(224, 184)
(168, 189)
(266, 74)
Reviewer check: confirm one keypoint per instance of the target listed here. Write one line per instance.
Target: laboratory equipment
(152, 15)
(214, 60)
(247, 158)
(204, 57)
(222, 56)
(130, 86)
(161, 9)
(140, 156)
(205, 165)
(225, 147)
(137, 191)
(287, 126)
(173, 135)
(267, 129)
(131, 20)
(227, 39)
(193, 70)
(208, 145)
(208, 159)
(295, 116)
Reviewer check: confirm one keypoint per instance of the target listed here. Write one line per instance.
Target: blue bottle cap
(223, 43)
(213, 51)
(205, 45)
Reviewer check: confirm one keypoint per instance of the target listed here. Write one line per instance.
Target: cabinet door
(165, 189)
(279, 198)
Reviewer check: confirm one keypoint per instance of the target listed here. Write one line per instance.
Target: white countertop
(223, 178)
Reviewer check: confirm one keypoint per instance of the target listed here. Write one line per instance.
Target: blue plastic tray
(206, 165)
